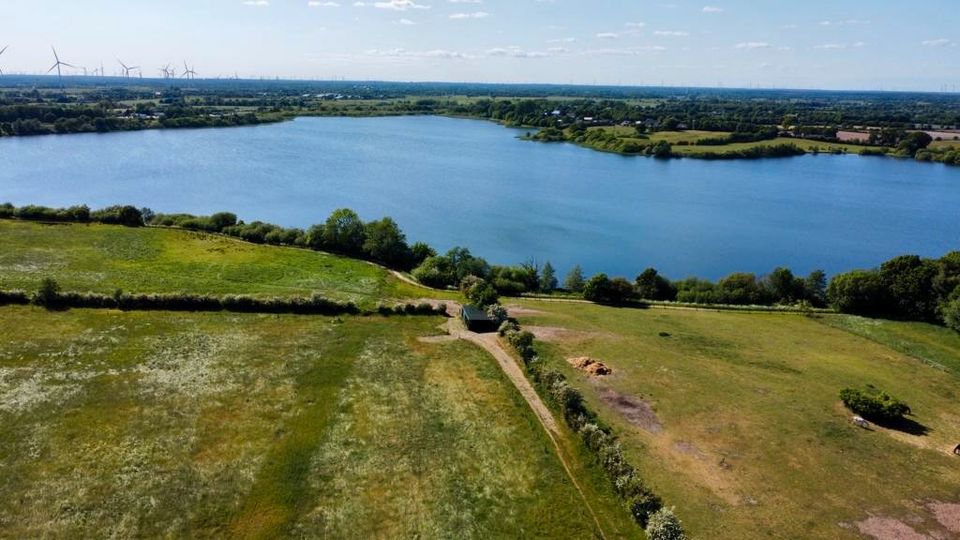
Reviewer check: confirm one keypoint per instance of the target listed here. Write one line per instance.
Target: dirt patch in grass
(560, 335)
(520, 311)
(437, 339)
(690, 449)
(636, 411)
(947, 514)
(590, 366)
(885, 528)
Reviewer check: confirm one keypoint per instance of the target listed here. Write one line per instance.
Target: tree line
(907, 287)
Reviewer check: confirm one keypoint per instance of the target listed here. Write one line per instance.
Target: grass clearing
(104, 258)
(168, 424)
(753, 435)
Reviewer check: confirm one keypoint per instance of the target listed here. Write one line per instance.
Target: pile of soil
(590, 366)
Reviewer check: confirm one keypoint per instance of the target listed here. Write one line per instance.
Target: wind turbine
(57, 67)
(3, 50)
(188, 72)
(127, 69)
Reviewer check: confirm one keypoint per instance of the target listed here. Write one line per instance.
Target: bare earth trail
(509, 366)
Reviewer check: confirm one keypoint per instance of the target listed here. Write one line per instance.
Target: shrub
(643, 505)
(874, 404)
(508, 327)
(48, 295)
(950, 310)
(129, 216)
(14, 297)
(664, 525)
(497, 313)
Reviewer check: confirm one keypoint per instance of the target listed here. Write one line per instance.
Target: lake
(473, 183)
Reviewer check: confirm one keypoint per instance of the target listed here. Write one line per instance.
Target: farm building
(477, 320)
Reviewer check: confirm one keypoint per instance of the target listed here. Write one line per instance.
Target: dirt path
(491, 344)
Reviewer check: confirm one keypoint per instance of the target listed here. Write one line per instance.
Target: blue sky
(837, 44)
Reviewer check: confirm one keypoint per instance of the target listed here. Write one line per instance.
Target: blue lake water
(462, 182)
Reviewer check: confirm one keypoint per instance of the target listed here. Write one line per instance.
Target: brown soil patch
(590, 366)
(948, 515)
(437, 339)
(554, 334)
(636, 411)
(688, 448)
(884, 528)
(520, 311)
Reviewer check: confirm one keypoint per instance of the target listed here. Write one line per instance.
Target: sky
(829, 44)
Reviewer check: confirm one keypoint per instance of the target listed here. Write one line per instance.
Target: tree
(48, 295)
(652, 286)
(384, 242)
(479, 292)
(909, 283)
(421, 252)
(548, 278)
(465, 264)
(741, 289)
(574, 280)
(435, 272)
(859, 292)
(603, 290)
(950, 310)
(815, 288)
(664, 525)
(344, 232)
(222, 220)
(914, 142)
(784, 286)
(597, 288)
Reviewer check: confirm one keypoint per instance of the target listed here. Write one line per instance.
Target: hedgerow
(624, 478)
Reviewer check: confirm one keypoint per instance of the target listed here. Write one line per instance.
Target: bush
(873, 404)
(950, 310)
(859, 292)
(129, 216)
(479, 292)
(497, 313)
(664, 525)
(48, 295)
(14, 297)
(643, 505)
(508, 327)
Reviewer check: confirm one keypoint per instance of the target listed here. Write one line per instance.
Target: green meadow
(104, 258)
(735, 418)
(196, 425)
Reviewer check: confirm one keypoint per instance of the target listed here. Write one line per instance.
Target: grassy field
(735, 418)
(175, 425)
(692, 136)
(104, 258)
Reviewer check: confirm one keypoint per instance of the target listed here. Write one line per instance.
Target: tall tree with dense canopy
(344, 232)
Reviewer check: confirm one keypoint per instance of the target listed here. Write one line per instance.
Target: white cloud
(318, 3)
(608, 35)
(398, 5)
(406, 22)
(465, 1)
(838, 46)
(474, 15)
(712, 9)
(635, 24)
(563, 40)
(672, 33)
(942, 42)
(256, 3)
(753, 45)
